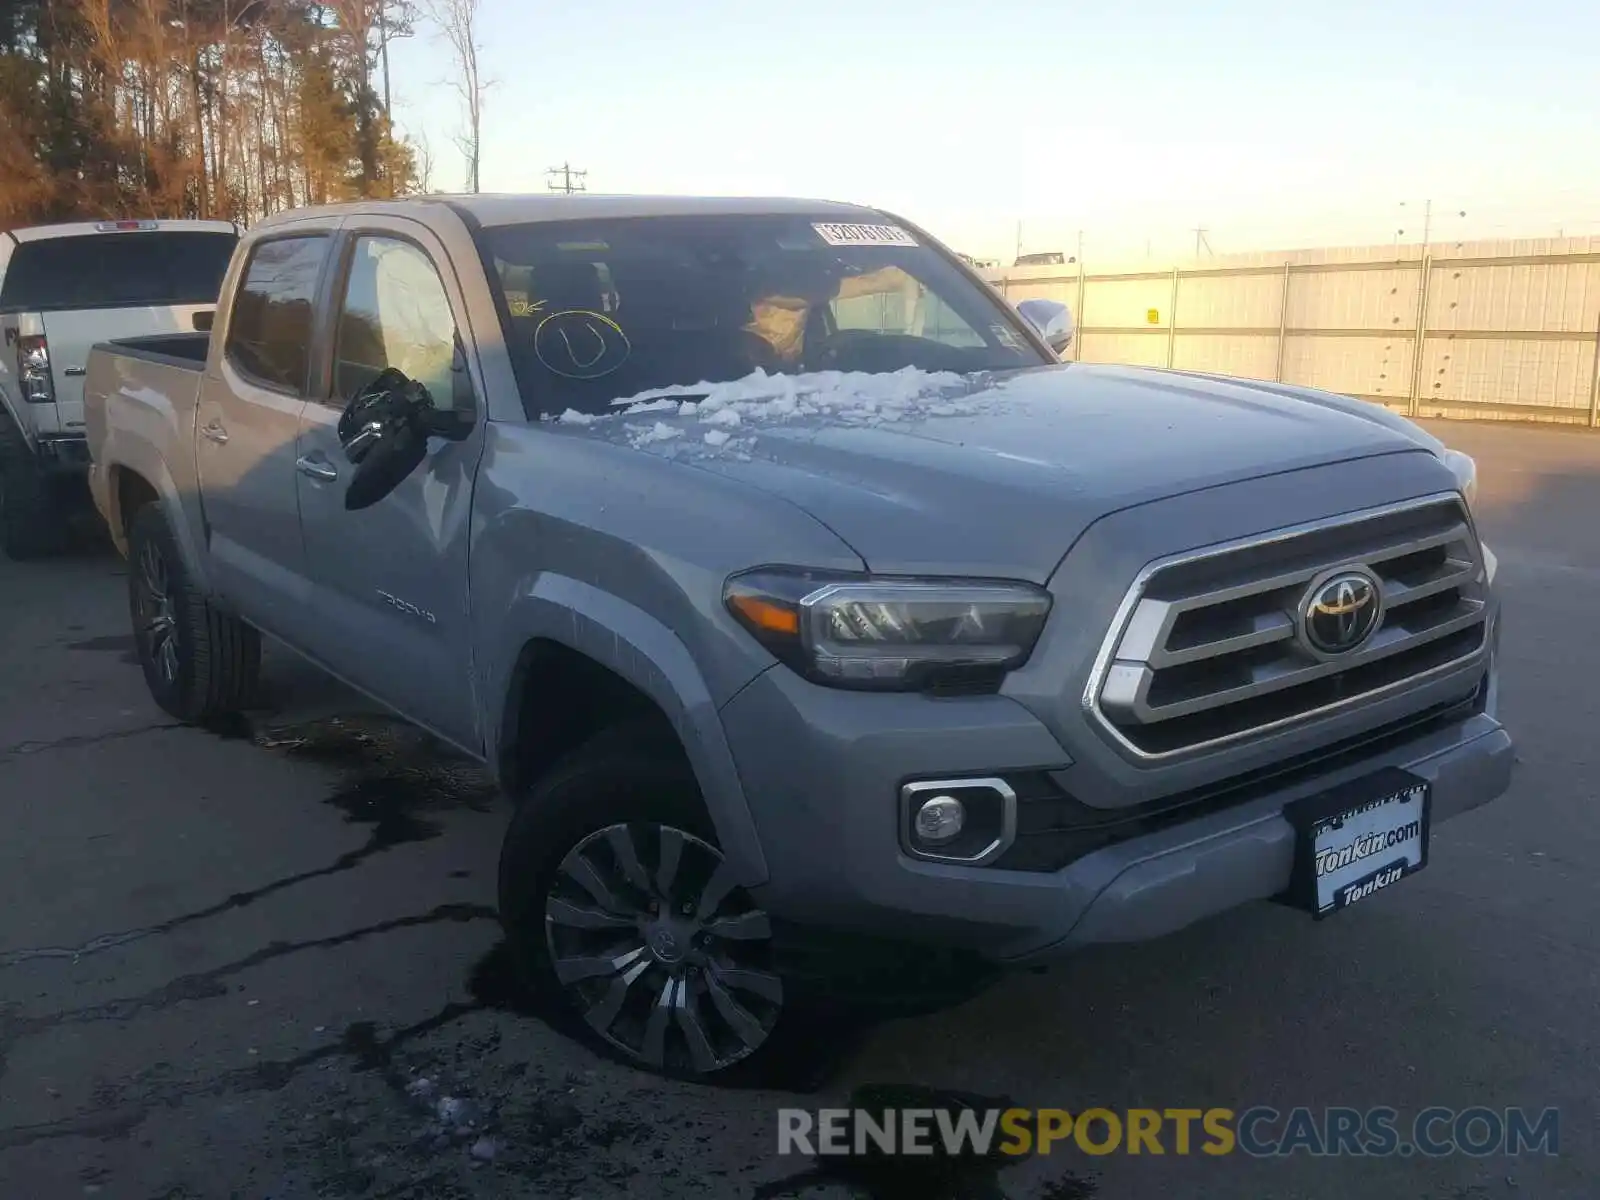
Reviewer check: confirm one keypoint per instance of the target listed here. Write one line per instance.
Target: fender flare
(152, 468)
(632, 644)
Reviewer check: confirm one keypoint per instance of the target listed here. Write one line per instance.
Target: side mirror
(1052, 319)
(384, 432)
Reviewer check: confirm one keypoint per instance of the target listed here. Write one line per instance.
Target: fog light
(969, 821)
(940, 819)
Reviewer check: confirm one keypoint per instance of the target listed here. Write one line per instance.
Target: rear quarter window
(116, 270)
(269, 331)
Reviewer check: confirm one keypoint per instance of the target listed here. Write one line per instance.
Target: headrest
(568, 283)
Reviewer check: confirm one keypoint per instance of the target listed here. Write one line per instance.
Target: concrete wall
(1505, 329)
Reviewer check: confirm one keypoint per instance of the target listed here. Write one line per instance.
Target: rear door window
(116, 270)
(269, 331)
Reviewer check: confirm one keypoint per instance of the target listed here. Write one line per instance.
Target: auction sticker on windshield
(1359, 839)
(863, 235)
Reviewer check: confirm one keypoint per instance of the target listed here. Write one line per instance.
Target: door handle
(215, 432)
(317, 468)
(74, 372)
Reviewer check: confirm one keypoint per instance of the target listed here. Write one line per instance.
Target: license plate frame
(1370, 806)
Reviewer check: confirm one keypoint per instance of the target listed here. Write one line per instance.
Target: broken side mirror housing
(384, 432)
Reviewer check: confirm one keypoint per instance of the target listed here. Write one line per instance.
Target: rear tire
(620, 914)
(30, 526)
(199, 663)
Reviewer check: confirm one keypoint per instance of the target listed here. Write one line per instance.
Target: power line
(565, 179)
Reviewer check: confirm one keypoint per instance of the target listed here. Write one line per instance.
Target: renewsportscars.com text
(1260, 1132)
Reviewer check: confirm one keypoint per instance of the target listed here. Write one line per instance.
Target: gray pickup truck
(833, 637)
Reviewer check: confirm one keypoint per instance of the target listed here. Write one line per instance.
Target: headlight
(1466, 473)
(890, 634)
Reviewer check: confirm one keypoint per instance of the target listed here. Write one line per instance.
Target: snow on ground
(728, 417)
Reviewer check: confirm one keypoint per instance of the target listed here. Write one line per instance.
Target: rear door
(390, 581)
(246, 423)
(131, 282)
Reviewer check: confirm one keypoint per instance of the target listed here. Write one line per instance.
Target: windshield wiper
(694, 397)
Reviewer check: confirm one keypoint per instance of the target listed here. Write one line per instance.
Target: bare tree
(458, 25)
(424, 156)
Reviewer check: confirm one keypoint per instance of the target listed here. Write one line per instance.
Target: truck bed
(186, 351)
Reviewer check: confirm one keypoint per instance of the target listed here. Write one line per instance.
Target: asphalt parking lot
(261, 962)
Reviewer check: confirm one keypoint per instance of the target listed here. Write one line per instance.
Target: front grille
(1210, 650)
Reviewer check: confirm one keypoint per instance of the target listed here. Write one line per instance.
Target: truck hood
(997, 475)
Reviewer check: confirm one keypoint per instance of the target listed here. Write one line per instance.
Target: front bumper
(824, 768)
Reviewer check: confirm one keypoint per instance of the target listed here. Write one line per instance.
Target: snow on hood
(726, 418)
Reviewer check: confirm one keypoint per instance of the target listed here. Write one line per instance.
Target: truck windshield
(601, 310)
(116, 270)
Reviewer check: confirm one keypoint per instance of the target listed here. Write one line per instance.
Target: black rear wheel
(199, 663)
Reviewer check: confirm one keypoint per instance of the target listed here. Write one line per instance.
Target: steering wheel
(864, 350)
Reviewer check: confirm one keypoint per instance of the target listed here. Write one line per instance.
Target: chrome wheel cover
(660, 951)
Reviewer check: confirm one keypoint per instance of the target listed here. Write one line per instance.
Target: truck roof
(39, 233)
(516, 209)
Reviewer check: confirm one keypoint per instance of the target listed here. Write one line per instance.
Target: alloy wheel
(670, 962)
(156, 624)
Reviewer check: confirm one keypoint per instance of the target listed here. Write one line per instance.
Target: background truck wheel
(199, 663)
(30, 526)
(621, 913)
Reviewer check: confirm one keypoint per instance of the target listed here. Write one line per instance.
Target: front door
(250, 402)
(390, 580)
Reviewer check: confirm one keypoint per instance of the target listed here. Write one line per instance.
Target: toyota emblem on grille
(1340, 612)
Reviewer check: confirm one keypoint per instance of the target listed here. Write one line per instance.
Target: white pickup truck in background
(62, 289)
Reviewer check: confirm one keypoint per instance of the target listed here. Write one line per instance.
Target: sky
(1269, 125)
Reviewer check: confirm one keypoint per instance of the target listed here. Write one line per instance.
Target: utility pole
(1019, 239)
(1200, 240)
(1080, 248)
(565, 179)
(1427, 225)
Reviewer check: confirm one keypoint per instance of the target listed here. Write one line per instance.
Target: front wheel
(199, 663)
(619, 907)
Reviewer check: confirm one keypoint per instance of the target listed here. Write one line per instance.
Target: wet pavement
(261, 961)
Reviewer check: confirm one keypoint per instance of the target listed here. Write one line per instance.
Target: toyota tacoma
(831, 634)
